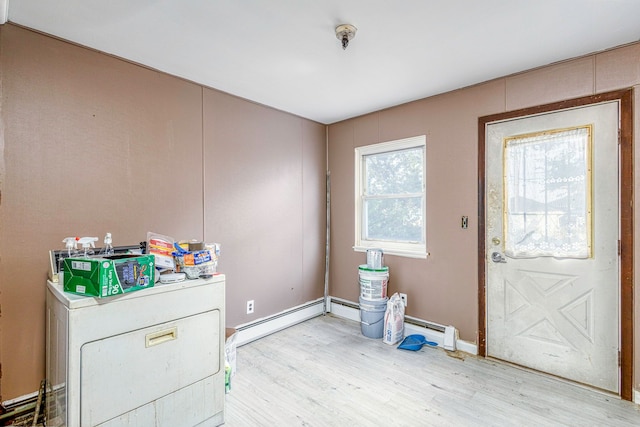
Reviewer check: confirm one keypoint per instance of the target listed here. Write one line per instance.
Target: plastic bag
(200, 263)
(394, 320)
(161, 247)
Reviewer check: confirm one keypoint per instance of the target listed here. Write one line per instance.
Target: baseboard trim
(20, 400)
(636, 397)
(343, 308)
(4, 11)
(350, 310)
(264, 326)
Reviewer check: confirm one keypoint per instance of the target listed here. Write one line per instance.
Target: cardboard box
(108, 276)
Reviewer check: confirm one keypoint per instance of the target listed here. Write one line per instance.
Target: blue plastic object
(415, 342)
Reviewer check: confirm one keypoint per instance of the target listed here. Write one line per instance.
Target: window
(390, 197)
(547, 187)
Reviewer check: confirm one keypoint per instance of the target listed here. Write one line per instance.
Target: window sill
(396, 252)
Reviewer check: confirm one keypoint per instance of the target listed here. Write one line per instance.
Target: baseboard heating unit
(445, 336)
(252, 331)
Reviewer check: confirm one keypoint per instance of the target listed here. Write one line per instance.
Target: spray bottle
(108, 245)
(88, 243)
(71, 244)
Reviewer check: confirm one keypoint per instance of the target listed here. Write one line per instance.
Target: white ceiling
(284, 53)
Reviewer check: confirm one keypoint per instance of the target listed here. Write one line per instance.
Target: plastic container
(372, 317)
(374, 258)
(373, 282)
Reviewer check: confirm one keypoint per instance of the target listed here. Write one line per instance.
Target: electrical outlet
(403, 297)
(249, 306)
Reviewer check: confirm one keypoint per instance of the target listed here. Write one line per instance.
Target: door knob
(497, 257)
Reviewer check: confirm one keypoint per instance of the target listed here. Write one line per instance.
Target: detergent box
(109, 275)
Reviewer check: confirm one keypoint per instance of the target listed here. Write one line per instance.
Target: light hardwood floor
(324, 372)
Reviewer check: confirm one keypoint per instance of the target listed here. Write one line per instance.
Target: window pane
(393, 219)
(394, 172)
(547, 184)
(391, 197)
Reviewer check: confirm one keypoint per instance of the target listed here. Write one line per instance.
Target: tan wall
(93, 144)
(266, 190)
(443, 288)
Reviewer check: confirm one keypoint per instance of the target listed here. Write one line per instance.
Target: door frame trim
(625, 98)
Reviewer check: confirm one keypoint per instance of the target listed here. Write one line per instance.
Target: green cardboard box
(107, 276)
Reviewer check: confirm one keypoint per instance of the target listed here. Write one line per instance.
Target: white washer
(149, 357)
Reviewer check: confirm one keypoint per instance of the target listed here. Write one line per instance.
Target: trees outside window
(390, 197)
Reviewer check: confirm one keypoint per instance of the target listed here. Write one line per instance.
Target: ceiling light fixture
(344, 33)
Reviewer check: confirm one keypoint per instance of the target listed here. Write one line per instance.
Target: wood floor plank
(324, 372)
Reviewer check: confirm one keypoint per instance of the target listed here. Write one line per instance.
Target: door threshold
(556, 378)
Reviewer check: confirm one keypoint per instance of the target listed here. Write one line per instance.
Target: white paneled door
(551, 243)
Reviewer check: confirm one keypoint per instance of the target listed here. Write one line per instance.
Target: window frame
(405, 249)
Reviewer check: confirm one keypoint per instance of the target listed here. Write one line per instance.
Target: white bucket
(373, 282)
(372, 317)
